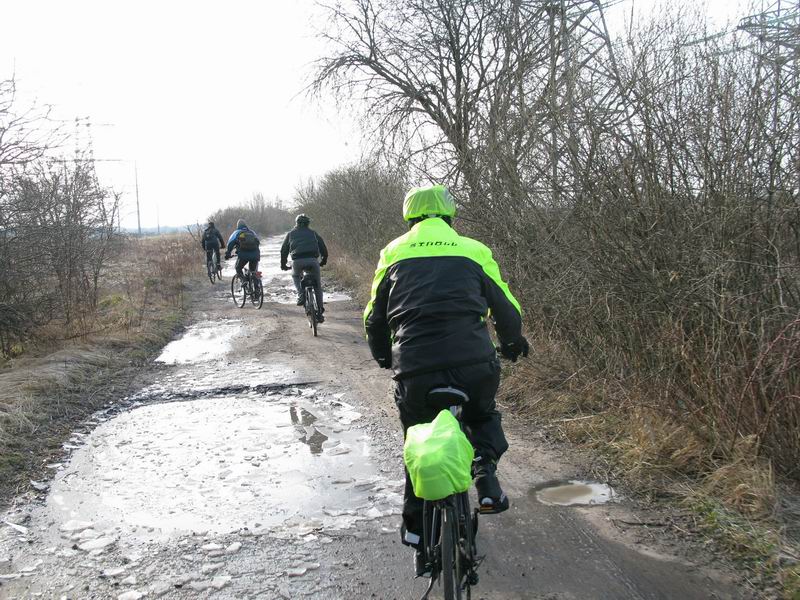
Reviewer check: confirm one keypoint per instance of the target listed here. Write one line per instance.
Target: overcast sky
(205, 97)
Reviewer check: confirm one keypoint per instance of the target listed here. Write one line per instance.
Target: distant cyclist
(308, 253)
(433, 293)
(247, 244)
(212, 241)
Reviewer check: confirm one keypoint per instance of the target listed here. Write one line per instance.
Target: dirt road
(258, 462)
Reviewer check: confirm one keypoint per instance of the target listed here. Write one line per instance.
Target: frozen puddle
(276, 464)
(201, 342)
(571, 493)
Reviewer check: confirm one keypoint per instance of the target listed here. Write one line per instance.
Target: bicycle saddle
(445, 397)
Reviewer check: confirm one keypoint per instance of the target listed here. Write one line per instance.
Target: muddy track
(258, 462)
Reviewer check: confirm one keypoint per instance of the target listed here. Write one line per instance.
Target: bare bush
(643, 196)
(56, 231)
(262, 216)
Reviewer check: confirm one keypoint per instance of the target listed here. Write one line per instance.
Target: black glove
(227, 255)
(512, 350)
(285, 268)
(323, 262)
(385, 362)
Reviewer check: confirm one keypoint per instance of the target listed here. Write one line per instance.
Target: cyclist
(211, 241)
(426, 320)
(247, 243)
(305, 247)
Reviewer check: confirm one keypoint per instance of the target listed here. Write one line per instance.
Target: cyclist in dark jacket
(427, 321)
(247, 244)
(211, 241)
(308, 253)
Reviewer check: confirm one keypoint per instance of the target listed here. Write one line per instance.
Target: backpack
(248, 241)
(209, 236)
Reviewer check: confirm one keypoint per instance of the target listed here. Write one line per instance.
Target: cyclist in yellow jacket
(427, 321)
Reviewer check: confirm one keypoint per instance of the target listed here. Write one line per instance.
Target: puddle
(571, 493)
(201, 342)
(278, 285)
(276, 463)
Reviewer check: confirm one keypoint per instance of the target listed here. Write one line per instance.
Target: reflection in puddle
(302, 424)
(570, 493)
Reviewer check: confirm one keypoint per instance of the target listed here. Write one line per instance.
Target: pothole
(572, 493)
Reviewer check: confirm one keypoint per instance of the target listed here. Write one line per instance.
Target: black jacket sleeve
(323, 249)
(506, 317)
(285, 249)
(379, 336)
(219, 236)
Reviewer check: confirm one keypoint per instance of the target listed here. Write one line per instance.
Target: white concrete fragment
(130, 580)
(296, 571)
(113, 572)
(132, 595)
(97, 544)
(234, 547)
(39, 486)
(212, 546)
(17, 528)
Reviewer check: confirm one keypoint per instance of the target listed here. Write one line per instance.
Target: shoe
(491, 498)
(422, 567)
(320, 319)
(301, 301)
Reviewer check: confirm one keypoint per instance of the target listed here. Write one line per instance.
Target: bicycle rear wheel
(451, 558)
(257, 298)
(210, 269)
(311, 310)
(238, 291)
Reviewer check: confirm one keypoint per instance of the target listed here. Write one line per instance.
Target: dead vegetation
(640, 194)
(62, 379)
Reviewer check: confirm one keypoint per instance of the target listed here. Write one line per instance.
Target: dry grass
(62, 380)
(355, 274)
(735, 494)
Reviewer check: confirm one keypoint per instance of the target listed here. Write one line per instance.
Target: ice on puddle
(32, 568)
(74, 525)
(210, 567)
(220, 581)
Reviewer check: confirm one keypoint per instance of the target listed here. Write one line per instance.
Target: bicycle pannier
(438, 456)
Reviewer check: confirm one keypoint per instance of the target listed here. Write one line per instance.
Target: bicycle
(449, 528)
(214, 268)
(310, 301)
(248, 287)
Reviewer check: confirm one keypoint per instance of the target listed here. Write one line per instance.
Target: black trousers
(214, 250)
(252, 264)
(480, 417)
